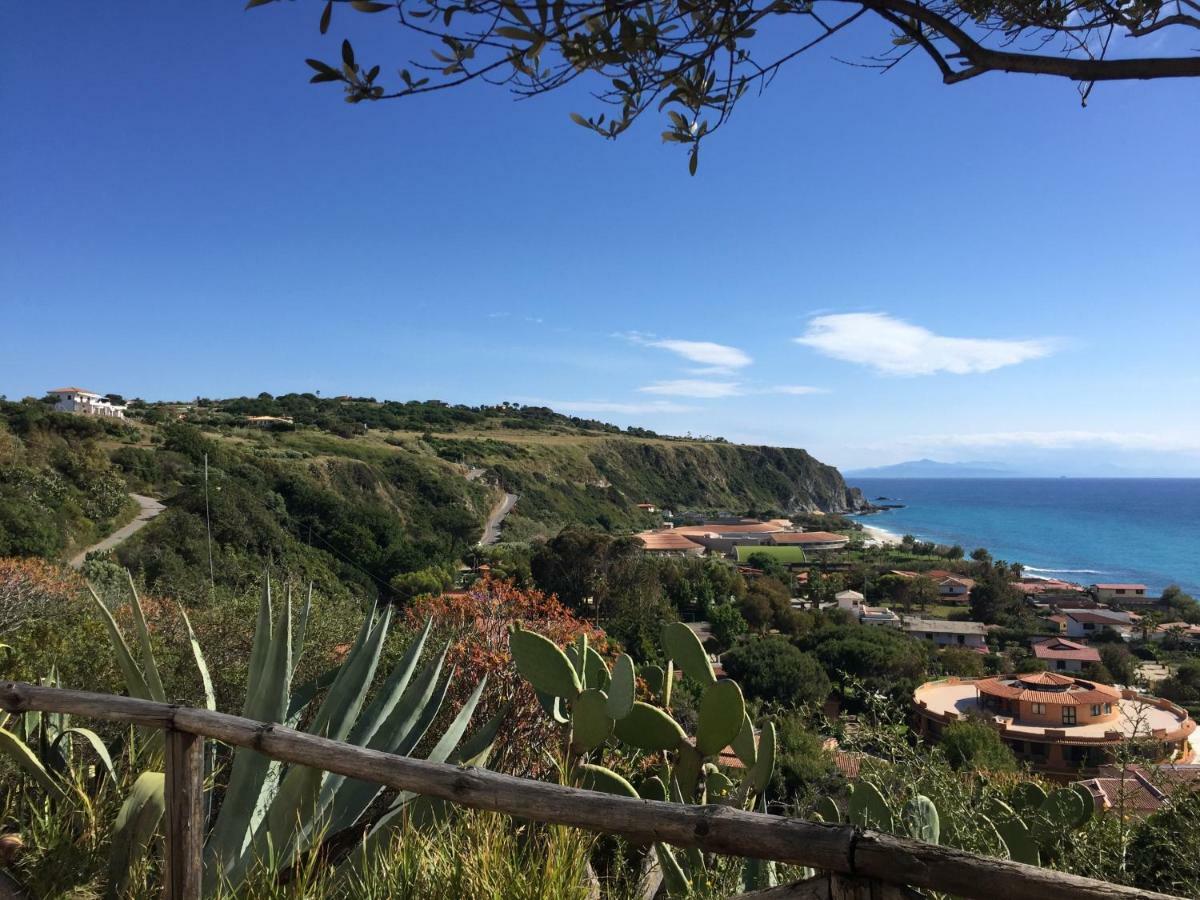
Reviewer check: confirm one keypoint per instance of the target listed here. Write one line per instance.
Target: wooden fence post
(185, 815)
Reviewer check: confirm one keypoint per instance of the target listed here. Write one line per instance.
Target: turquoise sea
(1080, 529)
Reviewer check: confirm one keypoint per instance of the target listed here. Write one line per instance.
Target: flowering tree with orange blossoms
(476, 623)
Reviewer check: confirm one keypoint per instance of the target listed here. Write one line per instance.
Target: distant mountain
(929, 468)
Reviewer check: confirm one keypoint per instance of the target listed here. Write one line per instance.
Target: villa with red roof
(668, 543)
(1086, 622)
(1064, 655)
(1117, 592)
(1059, 723)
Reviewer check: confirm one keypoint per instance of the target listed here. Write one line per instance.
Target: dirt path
(491, 531)
(148, 509)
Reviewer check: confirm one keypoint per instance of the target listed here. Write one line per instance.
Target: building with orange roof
(669, 543)
(810, 540)
(1058, 723)
(1064, 655)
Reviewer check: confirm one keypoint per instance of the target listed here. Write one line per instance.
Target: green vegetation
(772, 669)
(788, 556)
(58, 488)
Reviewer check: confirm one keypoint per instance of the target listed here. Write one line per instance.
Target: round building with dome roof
(1058, 722)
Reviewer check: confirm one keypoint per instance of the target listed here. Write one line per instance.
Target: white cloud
(605, 406)
(694, 387)
(894, 347)
(796, 389)
(717, 357)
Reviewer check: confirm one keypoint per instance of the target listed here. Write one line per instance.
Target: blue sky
(184, 214)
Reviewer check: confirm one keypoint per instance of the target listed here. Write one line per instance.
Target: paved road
(491, 531)
(148, 509)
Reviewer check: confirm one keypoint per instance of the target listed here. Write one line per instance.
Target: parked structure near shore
(86, 403)
(1058, 723)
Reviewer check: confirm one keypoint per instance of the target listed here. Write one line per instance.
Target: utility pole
(212, 581)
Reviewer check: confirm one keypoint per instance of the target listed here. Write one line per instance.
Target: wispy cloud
(716, 357)
(795, 389)
(894, 347)
(607, 406)
(694, 387)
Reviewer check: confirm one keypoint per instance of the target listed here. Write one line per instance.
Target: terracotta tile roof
(717, 528)
(73, 390)
(1061, 648)
(809, 537)
(666, 540)
(1024, 687)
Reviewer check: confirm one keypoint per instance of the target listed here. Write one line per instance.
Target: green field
(786, 555)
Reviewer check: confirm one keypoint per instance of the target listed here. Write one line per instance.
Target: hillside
(355, 492)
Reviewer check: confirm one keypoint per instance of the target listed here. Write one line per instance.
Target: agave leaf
(346, 799)
(307, 692)
(210, 697)
(294, 811)
(301, 627)
(97, 747)
(149, 667)
(135, 827)
(135, 682)
(252, 779)
(18, 751)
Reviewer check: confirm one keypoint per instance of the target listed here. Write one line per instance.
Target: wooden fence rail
(862, 855)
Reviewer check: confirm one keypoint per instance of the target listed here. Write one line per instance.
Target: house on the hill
(947, 633)
(86, 403)
(1087, 622)
(1115, 593)
(1063, 655)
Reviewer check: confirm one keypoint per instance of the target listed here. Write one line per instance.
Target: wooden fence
(857, 863)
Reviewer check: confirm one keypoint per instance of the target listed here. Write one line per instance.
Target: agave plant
(272, 813)
(43, 746)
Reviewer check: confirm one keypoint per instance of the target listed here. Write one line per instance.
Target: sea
(1087, 530)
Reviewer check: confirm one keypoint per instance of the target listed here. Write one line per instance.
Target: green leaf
(676, 882)
(687, 652)
(517, 34)
(250, 4)
(326, 15)
(764, 766)
(135, 682)
(744, 745)
(590, 722)
(621, 688)
(543, 664)
(580, 120)
(348, 54)
(369, 7)
(210, 697)
(322, 68)
(694, 159)
(649, 728)
(598, 778)
(18, 751)
(97, 746)
(136, 825)
(149, 668)
(722, 712)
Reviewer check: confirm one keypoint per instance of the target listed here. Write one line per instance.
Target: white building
(88, 403)
(1087, 622)
(851, 601)
(947, 633)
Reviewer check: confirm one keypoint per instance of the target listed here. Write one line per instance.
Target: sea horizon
(1087, 529)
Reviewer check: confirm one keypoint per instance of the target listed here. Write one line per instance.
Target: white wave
(1066, 571)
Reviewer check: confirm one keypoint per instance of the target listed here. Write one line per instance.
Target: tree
(920, 592)
(768, 565)
(1183, 605)
(994, 600)
(955, 552)
(975, 745)
(770, 668)
(727, 624)
(768, 603)
(1120, 663)
(696, 62)
(962, 662)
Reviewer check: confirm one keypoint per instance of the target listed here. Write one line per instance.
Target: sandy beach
(880, 537)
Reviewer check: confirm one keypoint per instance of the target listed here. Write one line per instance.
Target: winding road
(491, 531)
(148, 508)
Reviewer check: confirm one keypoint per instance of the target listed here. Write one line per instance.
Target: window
(1059, 664)
(1039, 709)
(961, 639)
(1068, 715)
(1095, 709)
(1089, 626)
(1107, 708)
(1120, 590)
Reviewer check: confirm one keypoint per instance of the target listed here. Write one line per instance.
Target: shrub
(976, 746)
(772, 669)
